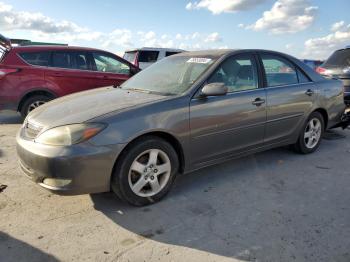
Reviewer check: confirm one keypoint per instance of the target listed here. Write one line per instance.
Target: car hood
(83, 106)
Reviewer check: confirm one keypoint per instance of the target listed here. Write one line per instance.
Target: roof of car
(216, 53)
(154, 49)
(53, 47)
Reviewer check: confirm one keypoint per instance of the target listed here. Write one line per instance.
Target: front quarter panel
(170, 116)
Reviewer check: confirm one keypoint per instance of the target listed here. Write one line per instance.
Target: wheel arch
(324, 114)
(171, 139)
(34, 92)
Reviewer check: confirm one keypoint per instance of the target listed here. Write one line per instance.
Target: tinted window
(62, 59)
(130, 56)
(339, 58)
(237, 73)
(36, 58)
(279, 71)
(148, 56)
(107, 63)
(81, 61)
(171, 53)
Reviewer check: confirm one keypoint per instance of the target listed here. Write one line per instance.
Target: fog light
(57, 182)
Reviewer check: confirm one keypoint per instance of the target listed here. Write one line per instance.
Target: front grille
(30, 130)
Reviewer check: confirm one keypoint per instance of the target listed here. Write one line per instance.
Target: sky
(303, 28)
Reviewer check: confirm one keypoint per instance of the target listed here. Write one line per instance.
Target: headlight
(70, 134)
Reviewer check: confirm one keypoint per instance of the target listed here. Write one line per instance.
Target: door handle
(55, 74)
(309, 92)
(258, 101)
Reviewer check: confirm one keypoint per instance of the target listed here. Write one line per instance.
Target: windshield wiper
(139, 90)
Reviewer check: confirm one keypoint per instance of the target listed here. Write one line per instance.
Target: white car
(146, 56)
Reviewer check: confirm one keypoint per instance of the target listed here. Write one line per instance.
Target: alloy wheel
(149, 173)
(34, 105)
(313, 132)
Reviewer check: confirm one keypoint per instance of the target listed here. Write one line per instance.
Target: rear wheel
(311, 134)
(145, 171)
(33, 102)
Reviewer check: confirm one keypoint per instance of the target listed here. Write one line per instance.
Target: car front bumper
(71, 170)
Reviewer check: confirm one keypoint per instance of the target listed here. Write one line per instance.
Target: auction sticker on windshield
(199, 60)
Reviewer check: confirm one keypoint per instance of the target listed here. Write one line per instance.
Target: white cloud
(118, 37)
(12, 20)
(286, 16)
(337, 26)
(224, 6)
(178, 37)
(43, 28)
(214, 38)
(322, 47)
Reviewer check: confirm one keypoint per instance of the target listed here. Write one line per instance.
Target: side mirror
(214, 89)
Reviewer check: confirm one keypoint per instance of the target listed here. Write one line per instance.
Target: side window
(238, 73)
(81, 61)
(108, 64)
(148, 56)
(62, 60)
(170, 53)
(278, 71)
(302, 77)
(36, 58)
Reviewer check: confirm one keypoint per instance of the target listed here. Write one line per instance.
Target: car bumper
(77, 169)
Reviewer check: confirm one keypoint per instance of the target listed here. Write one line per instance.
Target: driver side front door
(223, 126)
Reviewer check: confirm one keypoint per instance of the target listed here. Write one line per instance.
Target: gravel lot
(272, 206)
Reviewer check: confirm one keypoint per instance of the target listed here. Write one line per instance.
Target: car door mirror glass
(214, 89)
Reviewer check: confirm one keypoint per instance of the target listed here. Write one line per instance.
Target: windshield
(170, 76)
(339, 58)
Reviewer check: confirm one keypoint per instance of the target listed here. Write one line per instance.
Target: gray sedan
(183, 113)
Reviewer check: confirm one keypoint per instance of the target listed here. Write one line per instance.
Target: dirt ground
(272, 206)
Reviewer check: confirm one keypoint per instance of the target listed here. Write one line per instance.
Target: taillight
(6, 71)
(321, 70)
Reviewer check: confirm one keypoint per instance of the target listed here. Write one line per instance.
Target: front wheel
(311, 134)
(145, 171)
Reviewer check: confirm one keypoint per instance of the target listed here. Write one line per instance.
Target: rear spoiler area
(5, 43)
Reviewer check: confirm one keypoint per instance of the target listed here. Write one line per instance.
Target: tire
(137, 174)
(32, 100)
(306, 145)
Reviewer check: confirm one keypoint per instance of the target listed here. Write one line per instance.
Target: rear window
(130, 56)
(339, 58)
(171, 53)
(148, 56)
(36, 58)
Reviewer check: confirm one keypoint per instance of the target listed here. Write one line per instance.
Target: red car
(33, 75)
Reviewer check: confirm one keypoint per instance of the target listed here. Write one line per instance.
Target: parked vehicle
(33, 75)
(183, 113)
(312, 63)
(146, 56)
(338, 66)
